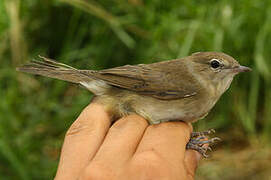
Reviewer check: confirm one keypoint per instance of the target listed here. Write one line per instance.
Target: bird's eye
(215, 63)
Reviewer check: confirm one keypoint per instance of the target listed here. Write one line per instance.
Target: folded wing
(158, 80)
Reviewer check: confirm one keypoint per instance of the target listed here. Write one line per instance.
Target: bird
(183, 89)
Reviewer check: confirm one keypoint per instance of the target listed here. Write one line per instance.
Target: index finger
(167, 140)
(82, 141)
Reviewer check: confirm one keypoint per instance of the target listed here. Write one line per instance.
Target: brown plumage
(181, 89)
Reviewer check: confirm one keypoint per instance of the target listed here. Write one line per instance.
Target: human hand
(129, 149)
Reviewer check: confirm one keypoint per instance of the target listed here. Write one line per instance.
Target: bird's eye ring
(215, 63)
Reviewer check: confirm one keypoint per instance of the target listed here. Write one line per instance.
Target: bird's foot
(197, 141)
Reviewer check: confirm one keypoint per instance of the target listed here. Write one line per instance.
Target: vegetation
(35, 112)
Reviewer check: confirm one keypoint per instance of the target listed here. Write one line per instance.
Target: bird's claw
(196, 142)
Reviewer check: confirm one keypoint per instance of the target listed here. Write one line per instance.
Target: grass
(250, 163)
(35, 112)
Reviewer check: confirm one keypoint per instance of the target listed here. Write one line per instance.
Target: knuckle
(79, 127)
(89, 122)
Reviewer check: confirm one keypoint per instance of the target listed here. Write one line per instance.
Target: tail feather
(50, 68)
(54, 63)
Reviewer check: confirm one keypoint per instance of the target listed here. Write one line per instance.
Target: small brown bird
(183, 89)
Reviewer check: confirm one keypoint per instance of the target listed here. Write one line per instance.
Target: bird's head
(216, 69)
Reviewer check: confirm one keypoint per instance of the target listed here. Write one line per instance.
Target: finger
(121, 141)
(82, 141)
(168, 140)
(191, 161)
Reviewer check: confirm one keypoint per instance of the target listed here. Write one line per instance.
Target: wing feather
(157, 80)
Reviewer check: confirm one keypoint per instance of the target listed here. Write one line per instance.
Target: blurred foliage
(35, 112)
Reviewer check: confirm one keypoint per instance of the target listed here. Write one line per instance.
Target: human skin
(129, 149)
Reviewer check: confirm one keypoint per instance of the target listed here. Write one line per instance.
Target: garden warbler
(183, 89)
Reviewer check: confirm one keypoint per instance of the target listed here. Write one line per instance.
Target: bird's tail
(53, 69)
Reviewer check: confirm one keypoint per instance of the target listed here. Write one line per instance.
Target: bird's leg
(204, 133)
(197, 141)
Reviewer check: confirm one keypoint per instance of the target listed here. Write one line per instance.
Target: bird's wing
(156, 80)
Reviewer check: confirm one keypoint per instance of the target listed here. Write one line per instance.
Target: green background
(35, 112)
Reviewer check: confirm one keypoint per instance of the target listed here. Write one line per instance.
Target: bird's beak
(241, 69)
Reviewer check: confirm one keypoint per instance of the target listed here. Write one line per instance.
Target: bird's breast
(186, 109)
(190, 109)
